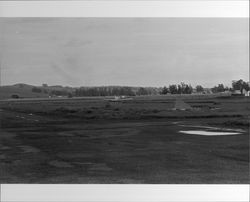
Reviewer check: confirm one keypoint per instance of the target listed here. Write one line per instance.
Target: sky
(124, 51)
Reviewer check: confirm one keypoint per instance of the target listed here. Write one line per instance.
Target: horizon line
(114, 85)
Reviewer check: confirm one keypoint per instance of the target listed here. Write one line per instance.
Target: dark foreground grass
(102, 142)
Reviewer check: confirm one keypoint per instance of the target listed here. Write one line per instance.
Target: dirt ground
(137, 141)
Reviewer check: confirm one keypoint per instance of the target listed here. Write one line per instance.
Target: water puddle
(213, 128)
(208, 133)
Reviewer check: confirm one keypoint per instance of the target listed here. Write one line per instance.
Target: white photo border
(114, 192)
(124, 8)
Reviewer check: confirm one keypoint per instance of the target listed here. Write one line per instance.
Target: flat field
(93, 140)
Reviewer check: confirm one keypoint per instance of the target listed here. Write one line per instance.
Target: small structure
(245, 92)
(237, 93)
(181, 105)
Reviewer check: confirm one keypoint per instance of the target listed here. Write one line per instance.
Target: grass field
(93, 140)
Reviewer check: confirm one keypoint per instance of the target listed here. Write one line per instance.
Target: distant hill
(22, 90)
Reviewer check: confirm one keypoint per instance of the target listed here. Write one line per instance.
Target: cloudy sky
(124, 51)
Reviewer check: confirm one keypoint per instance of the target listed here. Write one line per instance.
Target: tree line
(115, 91)
(181, 88)
(97, 91)
(104, 91)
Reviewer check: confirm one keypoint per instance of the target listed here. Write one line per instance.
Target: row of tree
(104, 91)
(237, 85)
(115, 91)
(178, 89)
(96, 91)
(181, 88)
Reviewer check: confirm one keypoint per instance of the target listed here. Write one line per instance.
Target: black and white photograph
(119, 100)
